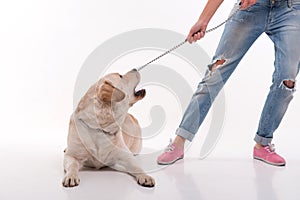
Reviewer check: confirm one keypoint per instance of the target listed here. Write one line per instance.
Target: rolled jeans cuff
(185, 134)
(262, 140)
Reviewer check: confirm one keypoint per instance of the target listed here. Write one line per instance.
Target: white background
(44, 43)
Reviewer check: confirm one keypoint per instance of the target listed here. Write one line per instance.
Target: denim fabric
(280, 20)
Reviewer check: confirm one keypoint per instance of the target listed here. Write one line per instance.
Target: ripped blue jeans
(280, 20)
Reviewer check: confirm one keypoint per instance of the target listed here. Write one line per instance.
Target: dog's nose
(134, 72)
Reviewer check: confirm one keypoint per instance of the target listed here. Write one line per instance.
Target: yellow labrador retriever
(103, 133)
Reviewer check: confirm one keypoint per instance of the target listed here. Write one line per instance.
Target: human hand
(246, 3)
(197, 31)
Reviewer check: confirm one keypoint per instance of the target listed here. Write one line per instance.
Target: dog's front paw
(145, 180)
(71, 180)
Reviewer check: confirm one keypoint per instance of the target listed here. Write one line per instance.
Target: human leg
(239, 34)
(284, 31)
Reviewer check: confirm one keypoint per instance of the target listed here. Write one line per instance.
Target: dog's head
(115, 87)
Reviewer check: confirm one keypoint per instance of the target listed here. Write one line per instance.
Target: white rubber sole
(169, 163)
(268, 162)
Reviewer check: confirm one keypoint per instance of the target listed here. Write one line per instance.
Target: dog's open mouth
(140, 93)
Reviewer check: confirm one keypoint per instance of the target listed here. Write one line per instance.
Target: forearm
(198, 30)
(209, 10)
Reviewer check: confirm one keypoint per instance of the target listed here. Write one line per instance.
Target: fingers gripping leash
(183, 42)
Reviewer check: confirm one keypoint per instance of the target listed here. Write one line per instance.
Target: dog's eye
(121, 76)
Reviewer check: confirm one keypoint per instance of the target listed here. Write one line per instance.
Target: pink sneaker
(171, 155)
(267, 154)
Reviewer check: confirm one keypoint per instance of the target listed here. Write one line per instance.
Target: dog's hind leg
(71, 167)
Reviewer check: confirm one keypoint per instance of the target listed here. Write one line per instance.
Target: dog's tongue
(140, 93)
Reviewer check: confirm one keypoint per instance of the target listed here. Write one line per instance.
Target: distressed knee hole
(289, 84)
(217, 64)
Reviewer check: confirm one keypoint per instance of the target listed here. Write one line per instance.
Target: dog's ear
(108, 93)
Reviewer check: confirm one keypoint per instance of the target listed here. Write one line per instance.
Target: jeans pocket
(252, 8)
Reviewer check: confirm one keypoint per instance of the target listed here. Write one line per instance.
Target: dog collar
(97, 129)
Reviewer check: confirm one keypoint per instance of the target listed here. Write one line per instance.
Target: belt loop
(290, 3)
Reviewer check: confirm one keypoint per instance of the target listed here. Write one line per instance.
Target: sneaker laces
(170, 147)
(270, 148)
